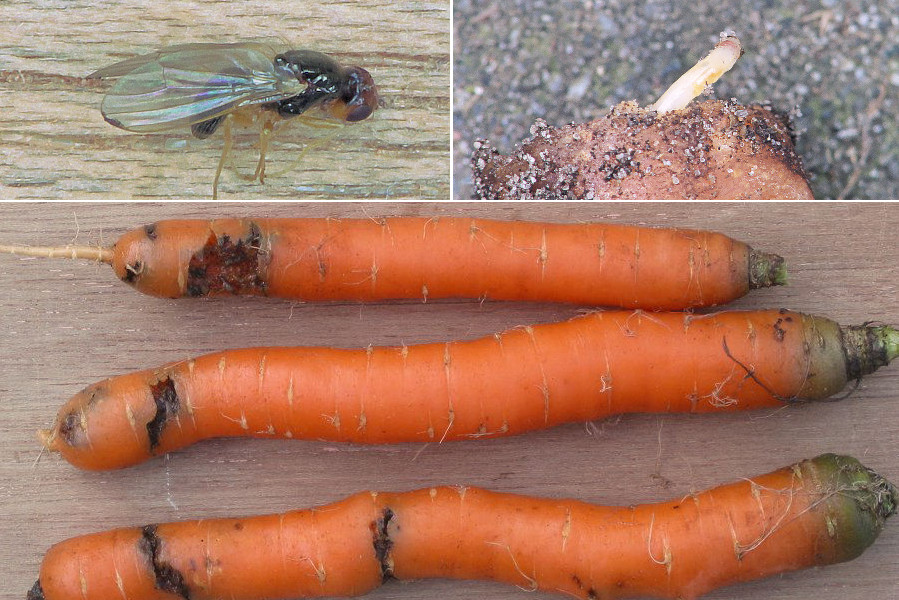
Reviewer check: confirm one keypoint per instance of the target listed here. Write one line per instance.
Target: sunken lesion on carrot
(587, 368)
(408, 258)
(816, 512)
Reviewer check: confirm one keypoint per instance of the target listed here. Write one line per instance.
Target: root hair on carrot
(532, 581)
(667, 558)
(566, 528)
(37, 458)
(750, 373)
(318, 569)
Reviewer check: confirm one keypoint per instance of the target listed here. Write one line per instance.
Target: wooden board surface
(67, 324)
(55, 144)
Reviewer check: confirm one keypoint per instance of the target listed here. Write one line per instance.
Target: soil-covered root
(710, 150)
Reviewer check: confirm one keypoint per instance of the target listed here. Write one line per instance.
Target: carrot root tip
(99, 253)
(869, 347)
(46, 438)
(766, 269)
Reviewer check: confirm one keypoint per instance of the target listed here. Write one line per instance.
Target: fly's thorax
(312, 68)
(348, 94)
(287, 81)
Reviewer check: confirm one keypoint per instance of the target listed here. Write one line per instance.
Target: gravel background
(835, 64)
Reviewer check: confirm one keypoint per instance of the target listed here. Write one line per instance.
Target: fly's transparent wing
(187, 84)
(269, 48)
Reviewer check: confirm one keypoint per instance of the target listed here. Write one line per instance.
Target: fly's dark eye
(359, 113)
(355, 88)
(360, 96)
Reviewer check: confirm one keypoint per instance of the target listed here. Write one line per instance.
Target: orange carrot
(590, 367)
(817, 512)
(419, 258)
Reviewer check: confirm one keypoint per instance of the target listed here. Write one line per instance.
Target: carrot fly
(205, 86)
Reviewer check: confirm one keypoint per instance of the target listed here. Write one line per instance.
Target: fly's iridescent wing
(187, 84)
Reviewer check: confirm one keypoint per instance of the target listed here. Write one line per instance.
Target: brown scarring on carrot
(817, 512)
(425, 259)
(527, 378)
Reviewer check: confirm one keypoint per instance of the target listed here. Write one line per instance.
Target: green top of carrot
(890, 340)
(766, 269)
(869, 347)
(862, 501)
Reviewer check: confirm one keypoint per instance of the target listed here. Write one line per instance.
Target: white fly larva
(703, 74)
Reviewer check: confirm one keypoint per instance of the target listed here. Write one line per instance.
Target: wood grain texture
(67, 324)
(55, 144)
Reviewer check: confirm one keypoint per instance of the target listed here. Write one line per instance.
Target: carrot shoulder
(528, 378)
(424, 259)
(817, 512)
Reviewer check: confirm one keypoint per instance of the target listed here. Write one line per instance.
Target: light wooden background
(67, 324)
(55, 144)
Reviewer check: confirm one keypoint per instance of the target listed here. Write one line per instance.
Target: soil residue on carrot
(36, 592)
(225, 266)
(868, 347)
(780, 332)
(712, 149)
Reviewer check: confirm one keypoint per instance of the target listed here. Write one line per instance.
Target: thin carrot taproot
(423, 259)
(590, 367)
(820, 511)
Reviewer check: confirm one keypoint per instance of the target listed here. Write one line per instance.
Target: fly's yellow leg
(226, 151)
(266, 133)
(265, 136)
(316, 143)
